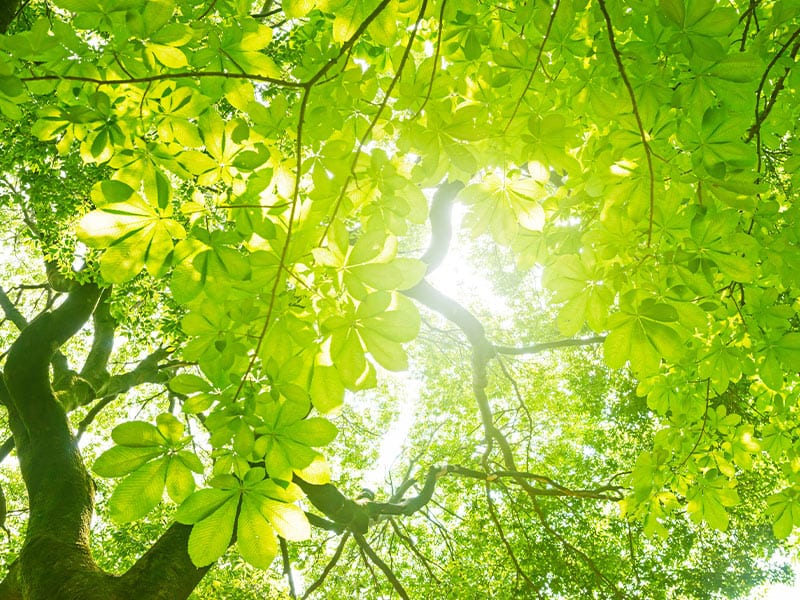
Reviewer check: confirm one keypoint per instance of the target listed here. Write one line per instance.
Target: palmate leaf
(144, 453)
(200, 267)
(371, 263)
(383, 321)
(379, 325)
(639, 333)
(503, 205)
(578, 280)
(134, 233)
(347, 354)
(275, 503)
(265, 508)
(708, 499)
(784, 508)
(288, 439)
(722, 365)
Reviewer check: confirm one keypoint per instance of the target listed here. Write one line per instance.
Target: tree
(249, 205)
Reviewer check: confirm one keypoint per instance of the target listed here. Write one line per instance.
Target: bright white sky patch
(408, 390)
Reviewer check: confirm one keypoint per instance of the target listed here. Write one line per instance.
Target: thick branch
(441, 224)
(482, 352)
(55, 557)
(336, 506)
(165, 571)
(451, 310)
(8, 12)
(604, 492)
(545, 346)
(11, 586)
(95, 367)
(147, 371)
(27, 369)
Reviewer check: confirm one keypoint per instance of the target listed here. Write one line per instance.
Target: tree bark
(55, 562)
(8, 10)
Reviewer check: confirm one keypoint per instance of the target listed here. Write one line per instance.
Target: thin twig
(509, 549)
(387, 570)
(702, 427)
(636, 114)
(329, 567)
(535, 65)
(374, 121)
(167, 77)
(287, 566)
(435, 59)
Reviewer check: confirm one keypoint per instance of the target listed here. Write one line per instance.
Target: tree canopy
(542, 254)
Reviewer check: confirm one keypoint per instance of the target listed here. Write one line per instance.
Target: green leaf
(392, 316)
(121, 460)
(198, 403)
(170, 427)
(738, 67)
(288, 520)
(137, 434)
(501, 205)
(389, 354)
(314, 431)
(139, 492)
(190, 460)
(201, 504)
(411, 272)
(784, 508)
(318, 472)
(254, 535)
(296, 9)
(168, 56)
(135, 235)
(212, 536)
(180, 481)
(347, 354)
(187, 383)
(327, 390)
(674, 10)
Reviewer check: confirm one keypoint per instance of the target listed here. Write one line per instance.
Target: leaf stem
(637, 115)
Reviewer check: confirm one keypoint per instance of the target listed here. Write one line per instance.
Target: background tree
(242, 212)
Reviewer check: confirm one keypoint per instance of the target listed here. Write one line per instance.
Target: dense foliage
(550, 249)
